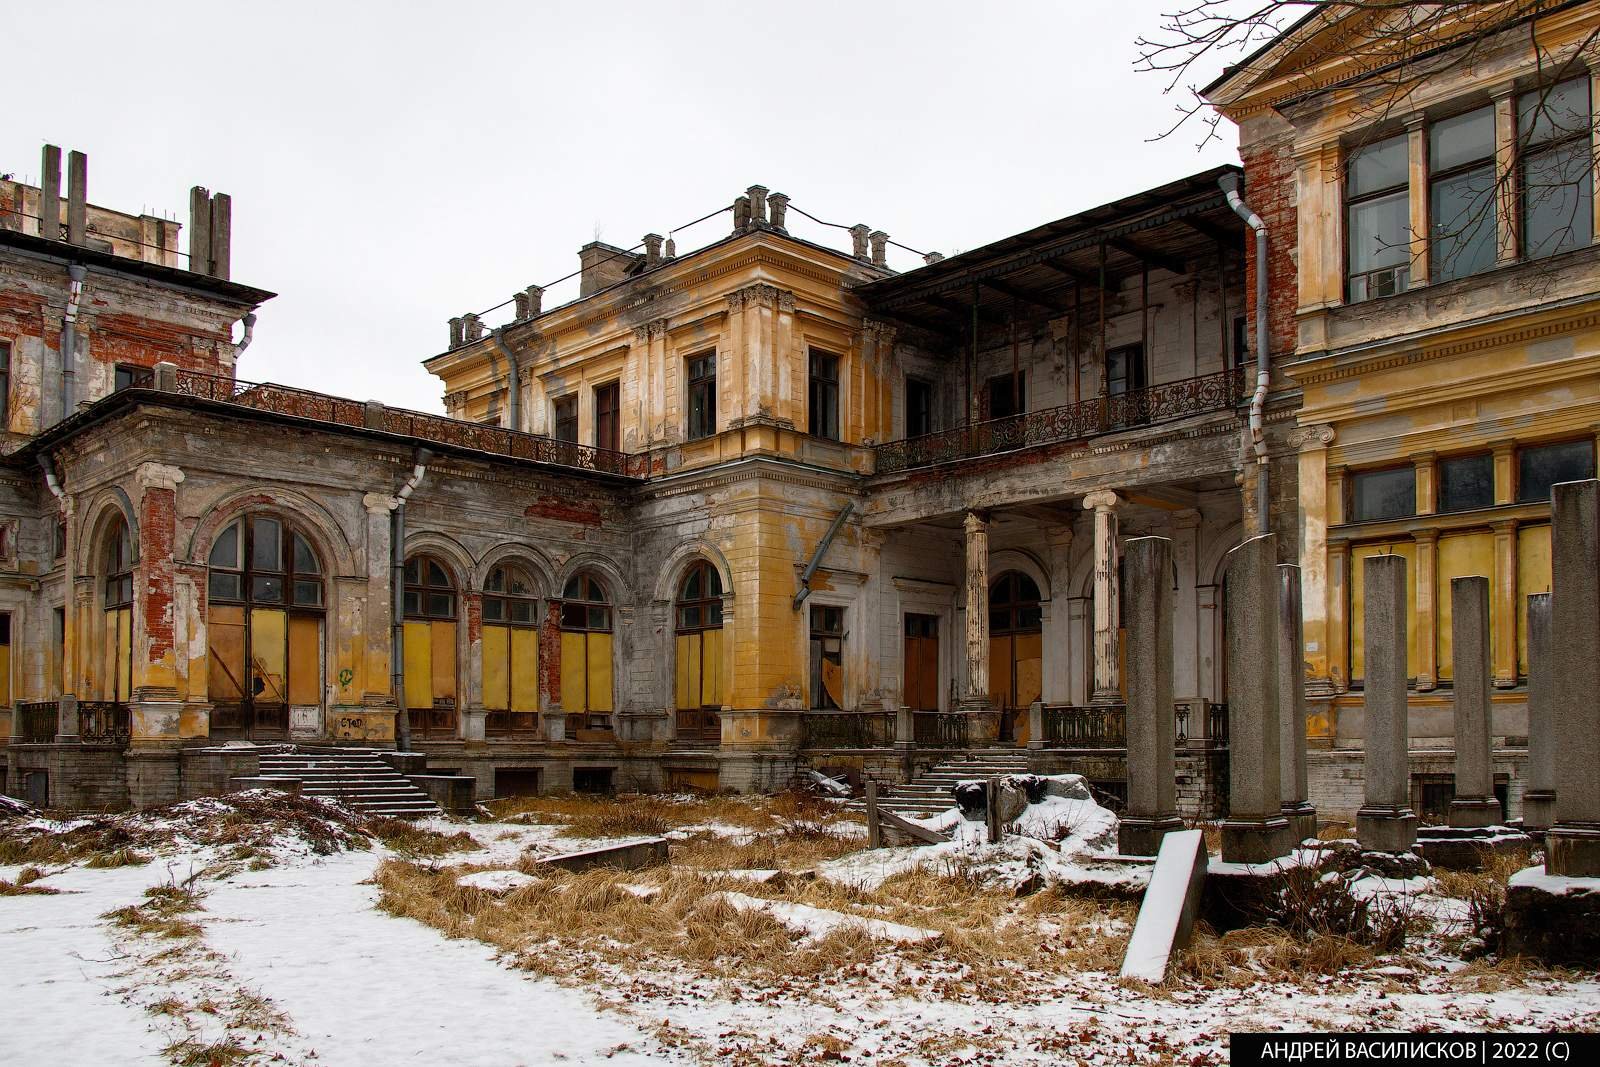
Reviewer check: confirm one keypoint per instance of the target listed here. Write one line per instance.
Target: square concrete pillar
(1475, 803)
(1539, 799)
(1572, 847)
(1292, 776)
(1255, 830)
(1385, 822)
(1152, 810)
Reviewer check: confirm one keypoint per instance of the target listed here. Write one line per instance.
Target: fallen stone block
(1553, 918)
(1171, 902)
(626, 856)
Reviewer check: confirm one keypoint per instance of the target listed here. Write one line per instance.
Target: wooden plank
(496, 668)
(910, 829)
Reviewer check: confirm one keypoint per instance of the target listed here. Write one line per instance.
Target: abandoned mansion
(768, 505)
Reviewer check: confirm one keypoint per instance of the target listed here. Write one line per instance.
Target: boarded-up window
(1460, 556)
(586, 651)
(698, 626)
(117, 681)
(429, 633)
(510, 651)
(5, 660)
(922, 662)
(827, 657)
(1015, 646)
(1358, 577)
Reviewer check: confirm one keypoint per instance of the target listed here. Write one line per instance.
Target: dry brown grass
(1484, 893)
(1247, 957)
(24, 886)
(1335, 831)
(581, 815)
(161, 914)
(409, 839)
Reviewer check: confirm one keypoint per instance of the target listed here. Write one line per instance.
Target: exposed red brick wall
(1269, 170)
(551, 507)
(550, 654)
(157, 514)
(473, 603)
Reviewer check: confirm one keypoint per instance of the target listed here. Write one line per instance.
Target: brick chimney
(603, 266)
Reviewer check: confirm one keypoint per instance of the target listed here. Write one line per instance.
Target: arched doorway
(264, 614)
(117, 566)
(1016, 640)
(510, 652)
(697, 626)
(586, 653)
(430, 647)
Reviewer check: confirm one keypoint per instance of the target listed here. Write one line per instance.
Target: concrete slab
(1171, 902)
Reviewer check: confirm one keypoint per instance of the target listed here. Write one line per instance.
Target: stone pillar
(1427, 555)
(1152, 809)
(976, 695)
(1504, 645)
(155, 710)
(1475, 803)
(1107, 685)
(1292, 778)
(1056, 640)
(1185, 527)
(1386, 822)
(1314, 561)
(1539, 799)
(379, 622)
(1572, 847)
(1337, 630)
(1255, 830)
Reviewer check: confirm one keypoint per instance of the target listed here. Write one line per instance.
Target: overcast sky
(394, 164)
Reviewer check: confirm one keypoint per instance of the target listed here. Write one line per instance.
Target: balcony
(1157, 404)
(434, 429)
(100, 722)
(847, 729)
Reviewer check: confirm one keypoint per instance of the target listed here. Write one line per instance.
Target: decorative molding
(1309, 438)
(158, 476)
(1101, 500)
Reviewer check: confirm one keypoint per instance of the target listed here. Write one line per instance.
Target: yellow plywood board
(524, 669)
(443, 639)
(600, 672)
(711, 668)
(1358, 577)
(574, 665)
(305, 660)
(682, 689)
(497, 668)
(1460, 556)
(418, 665)
(225, 670)
(1000, 671)
(5, 675)
(269, 655)
(123, 682)
(1030, 669)
(1533, 576)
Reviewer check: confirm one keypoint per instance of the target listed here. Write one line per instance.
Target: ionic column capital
(379, 503)
(1103, 500)
(975, 522)
(1310, 438)
(158, 476)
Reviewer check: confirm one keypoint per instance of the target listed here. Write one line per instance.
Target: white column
(1107, 687)
(1056, 638)
(977, 621)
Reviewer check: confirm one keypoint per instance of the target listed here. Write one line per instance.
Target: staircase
(356, 777)
(930, 794)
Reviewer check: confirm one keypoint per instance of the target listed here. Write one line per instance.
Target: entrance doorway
(1016, 647)
(922, 662)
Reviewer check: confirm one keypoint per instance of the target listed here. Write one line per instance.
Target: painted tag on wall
(305, 720)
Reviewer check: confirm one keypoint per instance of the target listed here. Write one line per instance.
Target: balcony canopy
(1180, 227)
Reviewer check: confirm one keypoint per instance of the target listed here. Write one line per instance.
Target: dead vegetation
(162, 912)
(1484, 894)
(23, 885)
(648, 815)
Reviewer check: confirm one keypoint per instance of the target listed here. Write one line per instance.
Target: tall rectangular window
(1007, 395)
(1540, 467)
(1556, 175)
(607, 424)
(566, 418)
(1378, 220)
(919, 407)
(1241, 341)
(1125, 371)
(1461, 192)
(702, 395)
(5, 385)
(5, 659)
(827, 657)
(124, 377)
(824, 396)
(1389, 494)
(1466, 482)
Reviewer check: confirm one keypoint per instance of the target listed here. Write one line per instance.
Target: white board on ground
(1166, 918)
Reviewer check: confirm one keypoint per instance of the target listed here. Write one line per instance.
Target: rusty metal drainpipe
(1258, 399)
(76, 272)
(513, 379)
(397, 571)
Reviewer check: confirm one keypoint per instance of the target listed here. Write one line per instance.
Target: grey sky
(395, 164)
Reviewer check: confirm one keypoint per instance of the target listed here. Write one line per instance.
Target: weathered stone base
(453, 793)
(1302, 820)
(1142, 837)
(1475, 812)
(1386, 829)
(1572, 850)
(1256, 840)
(1459, 849)
(1553, 919)
(1538, 810)
(1233, 899)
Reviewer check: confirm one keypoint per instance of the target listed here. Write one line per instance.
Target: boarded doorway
(1016, 640)
(922, 662)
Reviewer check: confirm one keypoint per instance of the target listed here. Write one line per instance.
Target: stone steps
(929, 793)
(358, 778)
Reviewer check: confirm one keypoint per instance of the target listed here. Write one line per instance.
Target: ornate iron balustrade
(941, 729)
(341, 411)
(104, 722)
(847, 729)
(1180, 722)
(1092, 727)
(1217, 723)
(1072, 422)
(36, 720)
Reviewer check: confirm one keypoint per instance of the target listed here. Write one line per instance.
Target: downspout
(51, 481)
(1258, 399)
(76, 272)
(816, 557)
(249, 335)
(397, 594)
(513, 380)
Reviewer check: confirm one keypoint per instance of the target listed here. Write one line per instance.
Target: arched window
(265, 594)
(117, 565)
(697, 619)
(510, 652)
(1016, 655)
(586, 652)
(430, 647)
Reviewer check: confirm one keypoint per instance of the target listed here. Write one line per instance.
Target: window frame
(117, 564)
(1353, 200)
(1352, 480)
(289, 573)
(1537, 446)
(708, 602)
(506, 601)
(564, 418)
(1014, 387)
(817, 653)
(1527, 150)
(608, 421)
(1440, 480)
(425, 590)
(5, 384)
(591, 598)
(1143, 376)
(822, 394)
(923, 425)
(700, 372)
(1022, 614)
(1459, 170)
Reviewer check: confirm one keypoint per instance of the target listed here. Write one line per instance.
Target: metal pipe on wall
(1258, 398)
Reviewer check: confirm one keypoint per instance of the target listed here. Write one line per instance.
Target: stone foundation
(1553, 919)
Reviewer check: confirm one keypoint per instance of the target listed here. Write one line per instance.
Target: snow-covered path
(362, 987)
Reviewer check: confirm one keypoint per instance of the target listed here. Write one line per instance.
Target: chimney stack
(858, 240)
(50, 193)
(758, 204)
(780, 207)
(741, 214)
(210, 233)
(880, 248)
(535, 296)
(671, 251)
(471, 327)
(652, 249)
(455, 332)
(77, 197)
(933, 257)
(520, 300)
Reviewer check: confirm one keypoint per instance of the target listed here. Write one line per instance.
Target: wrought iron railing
(104, 722)
(1071, 422)
(1180, 722)
(497, 440)
(36, 720)
(1086, 727)
(1217, 723)
(941, 729)
(847, 729)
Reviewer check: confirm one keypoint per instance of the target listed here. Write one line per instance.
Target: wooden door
(922, 662)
